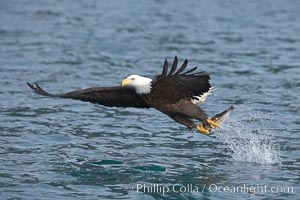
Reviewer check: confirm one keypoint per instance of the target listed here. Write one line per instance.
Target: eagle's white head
(142, 85)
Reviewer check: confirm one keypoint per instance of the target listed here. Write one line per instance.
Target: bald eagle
(176, 93)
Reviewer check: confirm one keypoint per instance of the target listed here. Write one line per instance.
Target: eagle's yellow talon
(203, 130)
(212, 123)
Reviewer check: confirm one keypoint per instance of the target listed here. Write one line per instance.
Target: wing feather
(174, 66)
(165, 68)
(107, 96)
(189, 71)
(182, 68)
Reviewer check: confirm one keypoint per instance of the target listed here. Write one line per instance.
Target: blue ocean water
(59, 148)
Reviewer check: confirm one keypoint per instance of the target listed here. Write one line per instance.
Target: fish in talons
(216, 121)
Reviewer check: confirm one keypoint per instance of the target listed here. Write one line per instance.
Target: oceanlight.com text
(213, 188)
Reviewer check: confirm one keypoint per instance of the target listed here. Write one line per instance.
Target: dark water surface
(65, 149)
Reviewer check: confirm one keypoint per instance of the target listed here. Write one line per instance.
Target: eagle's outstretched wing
(181, 84)
(107, 96)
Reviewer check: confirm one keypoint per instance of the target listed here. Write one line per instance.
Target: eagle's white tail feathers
(201, 99)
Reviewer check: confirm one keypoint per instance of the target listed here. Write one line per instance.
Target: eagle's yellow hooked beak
(125, 82)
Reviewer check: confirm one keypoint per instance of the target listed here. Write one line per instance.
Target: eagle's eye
(132, 79)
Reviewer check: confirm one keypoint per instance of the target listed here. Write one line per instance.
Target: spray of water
(249, 140)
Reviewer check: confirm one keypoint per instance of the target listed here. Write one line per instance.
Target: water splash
(249, 140)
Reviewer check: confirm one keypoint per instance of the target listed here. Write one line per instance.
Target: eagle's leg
(184, 120)
(196, 112)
